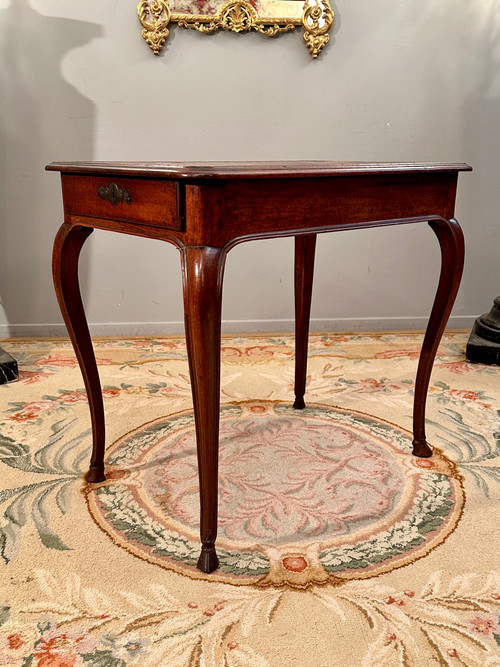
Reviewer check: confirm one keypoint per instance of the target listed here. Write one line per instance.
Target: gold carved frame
(238, 16)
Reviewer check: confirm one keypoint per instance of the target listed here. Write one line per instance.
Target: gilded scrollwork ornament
(234, 15)
(154, 16)
(317, 20)
(237, 16)
(316, 17)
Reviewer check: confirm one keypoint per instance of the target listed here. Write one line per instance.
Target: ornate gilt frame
(237, 16)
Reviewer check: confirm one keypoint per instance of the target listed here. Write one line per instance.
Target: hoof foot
(208, 560)
(421, 449)
(299, 404)
(95, 475)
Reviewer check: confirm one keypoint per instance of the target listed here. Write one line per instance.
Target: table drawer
(150, 202)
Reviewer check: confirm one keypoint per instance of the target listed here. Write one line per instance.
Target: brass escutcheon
(114, 194)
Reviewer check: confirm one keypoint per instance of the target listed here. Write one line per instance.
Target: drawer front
(150, 202)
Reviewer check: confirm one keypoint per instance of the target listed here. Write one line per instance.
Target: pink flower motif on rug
(467, 395)
(30, 377)
(63, 361)
(57, 360)
(73, 397)
(32, 411)
(413, 353)
(57, 649)
(456, 367)
(484, 626)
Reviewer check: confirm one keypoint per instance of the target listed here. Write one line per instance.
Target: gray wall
(400, 80)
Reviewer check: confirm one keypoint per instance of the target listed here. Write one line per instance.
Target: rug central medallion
(305, 497)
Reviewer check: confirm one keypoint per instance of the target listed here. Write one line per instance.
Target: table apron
(259, 207)
(181, 240)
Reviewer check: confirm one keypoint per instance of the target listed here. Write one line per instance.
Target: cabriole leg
(67, 246)
(202, 269)
(451, 241)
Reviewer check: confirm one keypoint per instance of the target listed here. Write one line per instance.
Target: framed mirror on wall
(269, 17)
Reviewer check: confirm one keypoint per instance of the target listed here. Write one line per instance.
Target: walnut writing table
(204, 210)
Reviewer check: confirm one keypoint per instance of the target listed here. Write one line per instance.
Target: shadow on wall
(44, 118)
(481, 139)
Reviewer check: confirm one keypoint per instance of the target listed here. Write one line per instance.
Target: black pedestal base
(481, 351)
(484, 342)
(8, 367)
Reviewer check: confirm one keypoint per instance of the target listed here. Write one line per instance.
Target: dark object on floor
(8, 367)
(484, 342)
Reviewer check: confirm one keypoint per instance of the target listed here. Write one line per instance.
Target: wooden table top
(239, 170)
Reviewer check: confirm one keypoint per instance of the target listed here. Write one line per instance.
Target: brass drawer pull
(114, 194)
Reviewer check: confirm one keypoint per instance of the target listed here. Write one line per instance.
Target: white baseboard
(234, 326)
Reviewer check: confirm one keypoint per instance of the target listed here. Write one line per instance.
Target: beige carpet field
(337, 547)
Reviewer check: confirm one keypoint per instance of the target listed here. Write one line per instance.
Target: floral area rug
(337, 546)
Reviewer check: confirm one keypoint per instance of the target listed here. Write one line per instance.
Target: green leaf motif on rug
(15, 454)
(103, 659)
(4, 615)
(470, 449)
(59, 456)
